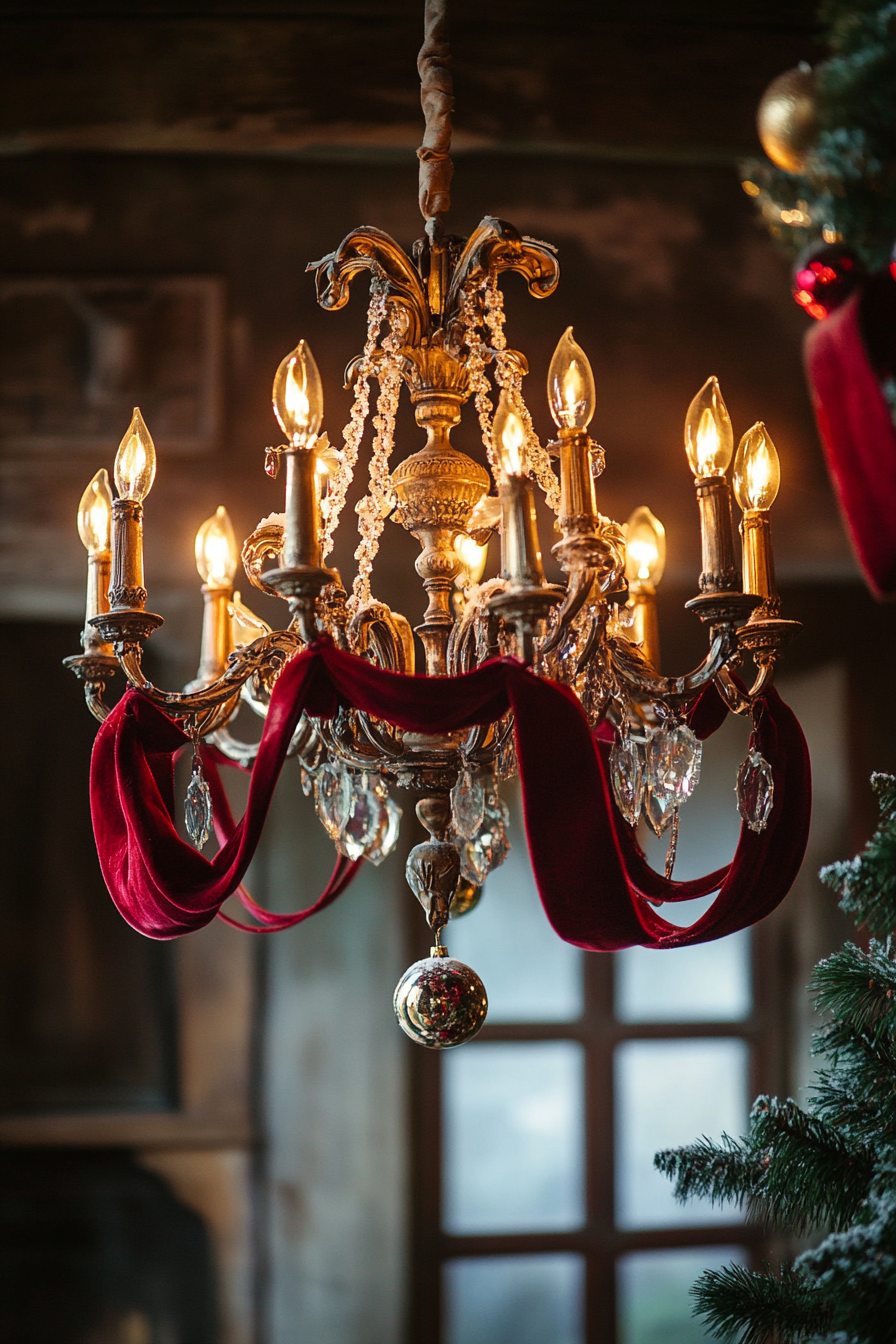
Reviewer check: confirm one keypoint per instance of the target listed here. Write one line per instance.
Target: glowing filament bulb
(216, 552)
(95, 515)
(471, 555)
(708, 436)
(645, 548)
(298, 397)
(135, 461)
(570, 385)
(757, 471)
(509, 437)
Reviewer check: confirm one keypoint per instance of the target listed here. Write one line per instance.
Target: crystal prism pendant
(198, 807)
(489, 847)
(366, 818)
(627, 777)
(467, 804)
(755, 790)
(659, 809)
(387, 836)
(673, 763)
(333, 796)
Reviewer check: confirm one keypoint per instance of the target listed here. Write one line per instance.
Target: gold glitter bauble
(787, 119)
(440, 1002)
(466, 898)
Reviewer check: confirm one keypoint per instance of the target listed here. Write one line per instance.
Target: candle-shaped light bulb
(135, 461)
(570, 385)
(509, 437)
(708, 436)
(216, 550)
(95, 515)
(757, 471)
(472, 556)
(298, 397)
(645, 548)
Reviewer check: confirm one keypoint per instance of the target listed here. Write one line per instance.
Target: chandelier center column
(437, 489)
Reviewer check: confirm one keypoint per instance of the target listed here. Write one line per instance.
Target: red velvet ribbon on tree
(859, 439)
(595, 884)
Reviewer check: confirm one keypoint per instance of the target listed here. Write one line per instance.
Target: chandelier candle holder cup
(560, 682)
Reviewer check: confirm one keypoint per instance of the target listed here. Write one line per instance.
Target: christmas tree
(828, 1167)
(847, 186)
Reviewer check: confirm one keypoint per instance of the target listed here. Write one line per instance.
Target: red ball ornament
(824, 277)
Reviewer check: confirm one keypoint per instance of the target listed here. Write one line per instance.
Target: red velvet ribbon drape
(594, 882)
(858, 438)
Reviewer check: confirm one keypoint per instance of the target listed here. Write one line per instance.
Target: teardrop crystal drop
(755, 791)
(387, 837)
(333, 796)
(673, 762)
(198, 809)
(467, 804)
(627, 777)
(659, 810)
(367, 819)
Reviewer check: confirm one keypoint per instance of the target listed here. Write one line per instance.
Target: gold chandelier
(435, 325)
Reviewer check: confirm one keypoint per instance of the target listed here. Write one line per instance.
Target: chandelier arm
(263, 656)
(741, 702)
(241, 753)
(580, 585)
(94, 670)
(379, 738)
(638, 676)
(373, 629)
(492, 749)
(594, 639)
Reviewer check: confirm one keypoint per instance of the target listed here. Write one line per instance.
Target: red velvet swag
(595, 883)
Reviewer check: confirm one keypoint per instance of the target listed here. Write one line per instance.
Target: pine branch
(815, 1176)
(863, 1118)
(859, 990)
(854, 1272)
(744, 1307)
(867, 883)
(724, 1172)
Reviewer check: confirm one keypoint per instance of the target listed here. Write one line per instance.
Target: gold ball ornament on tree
(787, 119)
(440, 1002)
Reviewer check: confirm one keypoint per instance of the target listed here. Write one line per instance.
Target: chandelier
(558, 681)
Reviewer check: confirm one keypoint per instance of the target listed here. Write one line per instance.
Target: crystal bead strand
(479, 384)
(509, 376)
(374, 508)
(332, 506)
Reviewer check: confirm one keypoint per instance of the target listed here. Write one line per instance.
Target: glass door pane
(513, 1132)
(668, 1093)
(515, 1299)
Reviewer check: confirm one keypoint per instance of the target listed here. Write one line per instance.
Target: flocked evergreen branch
(726, 1172)
(867, 883)
(743, 1307)
(815, 1175)
(855, 1271)
(858, 989)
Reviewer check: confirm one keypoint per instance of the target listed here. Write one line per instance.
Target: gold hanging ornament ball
(466, 897)
(787, 119)
(440, 1002)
